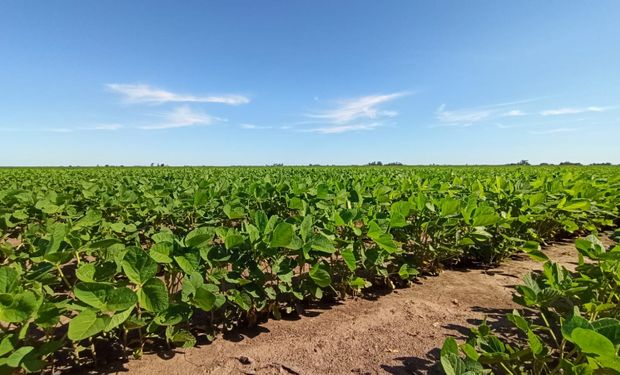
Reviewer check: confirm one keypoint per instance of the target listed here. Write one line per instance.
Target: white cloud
(462, 117)
(350, 115)
(554, 131)
(571, 111)
(109, 127)
(182, 117)
(365, 107)
(62, 130)
(342, 128)
(141, 93)
(254, 127)
(514, 113)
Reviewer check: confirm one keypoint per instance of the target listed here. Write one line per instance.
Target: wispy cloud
(182, 117)
(141, 93)
(514, 113)
(342, 128)
(554, 131)
(465, 117)
(365, 107)
(462, 117)
(254, 127)
(572, 111)
(104, 127)
(350, 114)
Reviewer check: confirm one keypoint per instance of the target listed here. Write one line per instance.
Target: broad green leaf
(199, 237)
(161, 252)
(153, 295)
(139, 266)
(282, 235)
(349, 258)
(8, 279)
(18, 355)
(118, 319)
(85, 324)
(21, 307)
(592, 342)
(323, 244)
(204, 298)
(319, 273)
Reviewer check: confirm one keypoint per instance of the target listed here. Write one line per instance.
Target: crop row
(123, 257)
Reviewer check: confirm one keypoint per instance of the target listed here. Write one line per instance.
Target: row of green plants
(568, 321)
(121, 258)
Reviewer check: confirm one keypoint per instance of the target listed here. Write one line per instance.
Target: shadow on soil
(430, 363)
(416, 365)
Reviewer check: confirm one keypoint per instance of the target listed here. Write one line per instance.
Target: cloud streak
(254, 127)
(141, 93)
(353, 114)
(554, 131)
(342, 128)
(572, 111)
(182, 117)
(365, 107)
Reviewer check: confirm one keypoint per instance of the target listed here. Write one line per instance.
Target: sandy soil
(397, 333)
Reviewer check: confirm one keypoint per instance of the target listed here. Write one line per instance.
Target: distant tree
(523, 162)
(375, 163)
(569, 163)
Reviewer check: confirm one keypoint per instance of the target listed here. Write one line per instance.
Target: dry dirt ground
(396, 333)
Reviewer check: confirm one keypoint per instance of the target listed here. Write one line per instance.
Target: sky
(329, 82)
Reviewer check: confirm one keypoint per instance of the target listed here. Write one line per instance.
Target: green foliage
(569, 324)
(122, 255)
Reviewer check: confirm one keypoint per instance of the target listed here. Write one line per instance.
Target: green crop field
(127, 257)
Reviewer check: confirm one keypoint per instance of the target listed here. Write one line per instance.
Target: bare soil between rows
(396, 333)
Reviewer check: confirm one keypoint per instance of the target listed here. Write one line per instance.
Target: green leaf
(575, 205)
(592, 342)
(91, 218)
(323, 244)
(569, 325)
(139, 266)
(532, 248)
(21, 307)
(17, 356)
(485, 216)
(161, 252)
(85, 324)
(609, 328)
(282, 235)
(319, 273)
(118, 319)
(306, 227)
(199, 237)
(450, 207)
(406, 271)
(359, 283)
(8, 279)
(349, 258)
(153, 295)
(120, 299)
(233, 239)
(242, 299)
(535, 344)
(204, 298)
(93, 294)
(234, 212)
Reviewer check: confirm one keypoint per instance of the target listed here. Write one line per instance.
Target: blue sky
(333, 82)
